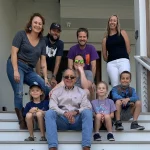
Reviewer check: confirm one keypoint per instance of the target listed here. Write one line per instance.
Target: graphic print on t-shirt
(87, 59)
(102, 109)
(51, 51)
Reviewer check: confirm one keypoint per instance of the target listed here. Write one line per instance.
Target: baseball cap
(35, 84)
(55, 26)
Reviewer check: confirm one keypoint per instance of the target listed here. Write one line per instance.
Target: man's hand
(53, 82)
(46, 81)
(70, 116)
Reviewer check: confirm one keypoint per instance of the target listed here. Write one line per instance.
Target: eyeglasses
(79, 61)
(69, 77)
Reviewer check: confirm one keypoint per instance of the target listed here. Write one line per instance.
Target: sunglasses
(79, 61)
(69, 77)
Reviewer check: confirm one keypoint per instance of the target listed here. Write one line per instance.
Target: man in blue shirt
(127, 102)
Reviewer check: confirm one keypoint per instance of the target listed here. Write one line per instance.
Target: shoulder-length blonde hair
(108, 28)
(28, 25)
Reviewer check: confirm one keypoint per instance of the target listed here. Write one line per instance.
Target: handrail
(143, 63)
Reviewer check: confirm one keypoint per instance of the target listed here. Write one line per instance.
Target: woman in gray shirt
(27, 47)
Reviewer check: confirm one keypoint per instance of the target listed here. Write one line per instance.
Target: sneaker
(29, 139)
(97, 137)
(43, 138)
(110, 137)
(134, 125)
(119, 125)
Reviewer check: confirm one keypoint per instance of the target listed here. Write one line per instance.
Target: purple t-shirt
(89, 53)
(106, 106)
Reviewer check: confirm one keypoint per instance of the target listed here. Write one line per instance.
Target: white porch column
(141, 50)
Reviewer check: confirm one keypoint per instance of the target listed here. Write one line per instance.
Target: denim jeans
(27, 76)
(83, 121)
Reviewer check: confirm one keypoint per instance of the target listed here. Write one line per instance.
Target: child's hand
(125, 101)
(33, 110)
(103, 117)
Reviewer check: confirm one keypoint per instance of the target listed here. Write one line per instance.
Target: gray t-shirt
(106, 106)
(89, 76)
(27, 52)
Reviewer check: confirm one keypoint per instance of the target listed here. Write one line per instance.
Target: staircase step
(126, 135)
(13, 124)
(12, 115)
(73, 145)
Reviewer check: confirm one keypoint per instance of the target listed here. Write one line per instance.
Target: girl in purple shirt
(103, 109)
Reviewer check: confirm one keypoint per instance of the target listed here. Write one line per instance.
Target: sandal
(29, 139)
(43, 138)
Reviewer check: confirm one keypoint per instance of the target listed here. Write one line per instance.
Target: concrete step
(103, 145)
(13, 124)
(12, 115)
(128, 135)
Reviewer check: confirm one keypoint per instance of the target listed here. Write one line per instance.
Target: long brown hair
(108, 28)
(28, 25)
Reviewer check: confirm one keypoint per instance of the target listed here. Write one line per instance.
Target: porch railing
(143, 65)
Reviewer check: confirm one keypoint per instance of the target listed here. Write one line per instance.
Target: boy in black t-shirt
(54, 53)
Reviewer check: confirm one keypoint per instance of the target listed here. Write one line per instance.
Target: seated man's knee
(87, 112)
(50, 113)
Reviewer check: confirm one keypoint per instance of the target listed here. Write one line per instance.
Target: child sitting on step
(103, 109)
(127, 102)
(35, 110)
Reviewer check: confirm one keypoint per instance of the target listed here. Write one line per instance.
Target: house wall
(7, 30)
